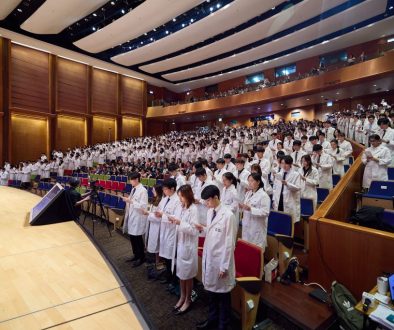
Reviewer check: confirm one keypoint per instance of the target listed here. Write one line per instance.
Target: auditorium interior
(110, 108)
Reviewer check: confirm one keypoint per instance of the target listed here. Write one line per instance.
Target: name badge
(219, 230)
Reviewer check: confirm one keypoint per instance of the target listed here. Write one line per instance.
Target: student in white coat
(346, 147)
(171, 205)
(242, 175)
(230, 197)
(203, 181)
(338, 159)
(376, 159)
(179, 178)
(153, 223)
(218, 175)
(218, 269)
(309, 180)
(323, 163)
(186, 254)
(386, 134)
(256, 208)
(297, 153)
(135, 220)
(229, 166)
(287, 186)
(267, 186)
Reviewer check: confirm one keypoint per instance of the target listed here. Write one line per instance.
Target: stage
(53, 276)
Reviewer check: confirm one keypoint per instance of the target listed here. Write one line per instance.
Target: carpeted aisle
(151, 297)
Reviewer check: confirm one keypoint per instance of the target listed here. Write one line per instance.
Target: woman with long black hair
(230, 198)
(256, 208)
(309, 179)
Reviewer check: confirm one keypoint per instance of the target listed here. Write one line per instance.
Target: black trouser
(137, 244)
(171, 276)
(219, 308)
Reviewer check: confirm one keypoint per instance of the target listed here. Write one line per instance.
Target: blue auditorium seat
(381, 190)
(390, 172)
(322, 193)
(388, 219)
(335, 179)
(346, 168)
(280, 223)
(306, 207)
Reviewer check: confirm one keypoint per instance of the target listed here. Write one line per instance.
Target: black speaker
(54, 207)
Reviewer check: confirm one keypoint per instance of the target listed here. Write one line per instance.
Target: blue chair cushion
(279, 223)
(378, 196)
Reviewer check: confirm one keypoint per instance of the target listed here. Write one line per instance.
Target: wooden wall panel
(352, 255)
(104, 92)
(70, 132)
(131, 127)
(132, 96)
(100, 130)
(29, 137)
(72, 86)
(29, 79)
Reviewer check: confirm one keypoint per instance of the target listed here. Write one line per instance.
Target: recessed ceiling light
(167, 32)
(20, 10)
(93, 28)
(94, 14)
(307, 99)
(112, 3)
(123, 11)
(191, 20)
(374, 85)
(322, 96)
(211, 9)
(218, 5)
(183, 24)
(174, 19)
(337, 93)
(151, 39)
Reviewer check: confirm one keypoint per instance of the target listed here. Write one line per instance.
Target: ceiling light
(308, 99)
(183, 24)
(167, 32)
(151, 39)
(322, 96)
(337, 93)
(192, 20)
(273, 8)
(325, 42)
(93, 28)
(123, 11)
(390, 40)
(374, 85)
(112, 3)
(281, 104)
(218, 5)
(150, 92)
(391, 8)
(20, 10)
(211, 9)
(94, 14)
(174, 19)
(142, 42)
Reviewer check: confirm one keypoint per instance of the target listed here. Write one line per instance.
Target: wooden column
(144, 108)
(52, 122)
(119, 133)
(5, 120)
(89, 119)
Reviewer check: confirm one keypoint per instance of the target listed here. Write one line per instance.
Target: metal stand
(102, 215)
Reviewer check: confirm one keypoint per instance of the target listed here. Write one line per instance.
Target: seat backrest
(306, 207)
(248, 259)
(390, 173)
(121, 204)
(280, 223)
(114, 185)
(383, 188)
(107, 199)
(388, 218)
(335, 179)
(322, 193)
(114, 201)
(112, 177)
(124, 178)
(121, 186)
(128, 188)
(118, 178)
(346, 167)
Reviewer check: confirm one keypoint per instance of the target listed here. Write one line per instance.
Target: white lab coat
(338, 161)
(297, 155)
(347, 149)
(388, 135)
(243, 184)
(153, 229)
(369, 129)
(291, 193)
(218, 178)
(168, 229)
(376, 171)
(255, 221)
(325, 169)
(187, 244)
(202, 208)
(218, 253)
(230, 199)
(309, 185)
(135, 220)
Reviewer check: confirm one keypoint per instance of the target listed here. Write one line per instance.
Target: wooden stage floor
(54, 277)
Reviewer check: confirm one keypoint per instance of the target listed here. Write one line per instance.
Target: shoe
(138, 263)
(181, 312)
(131, 259)
(207, 324)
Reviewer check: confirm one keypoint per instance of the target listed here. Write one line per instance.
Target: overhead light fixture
(308, 99)
(337, 93)
(211, 9)
(93, 28)
(183, 24)
(20, 10)
(391, 8)
(174, 19)
(390, 40)
(142, 42)
(151, 39)
(374, 85)
(218, 5)
(112, 3)
(123, 11)
(220, 119)
(150, 92)
(325, 42)
(94, 14)
(191, 20)
(167, 32)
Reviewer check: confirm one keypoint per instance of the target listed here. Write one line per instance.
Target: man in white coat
(175, 174)
(297, 153)
(346, 146)
(218, 269)
(376, 159)
(323, 162)
(287, 185)
(167, 228)
(203, 182)
(218, 175)
(386, 134)
(241, 174)
(135, 220)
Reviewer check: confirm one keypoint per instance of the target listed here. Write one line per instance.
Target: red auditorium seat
(248, 260)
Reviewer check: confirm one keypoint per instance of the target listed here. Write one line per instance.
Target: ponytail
(230, 176)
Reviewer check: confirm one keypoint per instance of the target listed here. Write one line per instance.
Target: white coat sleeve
(229, 244)
(385, 158)
(264, 207)
(187, 227)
